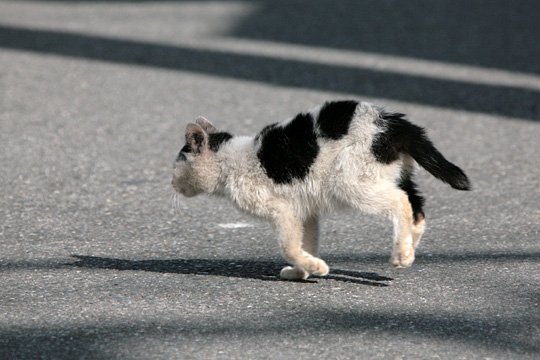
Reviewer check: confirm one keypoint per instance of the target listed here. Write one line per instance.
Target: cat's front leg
(290, 236)
(310, 240)
(310, 244)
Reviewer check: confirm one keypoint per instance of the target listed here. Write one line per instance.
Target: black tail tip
(461, 182)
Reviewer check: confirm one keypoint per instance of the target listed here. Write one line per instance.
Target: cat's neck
(235, 159)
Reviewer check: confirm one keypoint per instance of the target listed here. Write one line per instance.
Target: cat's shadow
(247, 269)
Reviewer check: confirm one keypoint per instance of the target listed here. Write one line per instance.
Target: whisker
(174, 203)
(175, 198)
(177, 202)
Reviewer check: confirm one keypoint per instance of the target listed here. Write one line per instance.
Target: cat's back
(345, 120)
(288, 151)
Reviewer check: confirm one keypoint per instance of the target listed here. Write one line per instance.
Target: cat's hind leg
(388, 199)
(407, 184)
(418, 228)
(310, 244)
(402, 218)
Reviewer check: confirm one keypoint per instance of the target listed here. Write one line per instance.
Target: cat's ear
(196, 137)
(206, 125)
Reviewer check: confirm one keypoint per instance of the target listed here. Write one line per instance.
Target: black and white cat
(340, 154)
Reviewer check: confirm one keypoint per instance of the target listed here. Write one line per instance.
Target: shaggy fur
(341, 154)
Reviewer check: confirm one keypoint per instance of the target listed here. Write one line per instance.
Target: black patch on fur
(386, 145)
(335, 117)
(417, 201)
(399, 136)
(287, 152)
(216, 139)
(266, 129)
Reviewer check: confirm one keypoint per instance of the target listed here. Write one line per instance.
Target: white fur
(345, 173)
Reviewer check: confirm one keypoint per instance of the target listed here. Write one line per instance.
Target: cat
(339, 154)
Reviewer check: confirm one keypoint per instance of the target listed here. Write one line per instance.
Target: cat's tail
(412, 139)
(435, 163)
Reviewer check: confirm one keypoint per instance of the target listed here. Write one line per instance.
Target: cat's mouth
(188, 193)
(185, 191)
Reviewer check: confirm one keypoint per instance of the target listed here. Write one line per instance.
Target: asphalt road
(96, 262)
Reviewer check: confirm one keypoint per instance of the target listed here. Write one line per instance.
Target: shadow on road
(107, 339)
(500, 333)
(502, 100)
(473, 32)
(247, 269)
(492, 34)
(266, 269)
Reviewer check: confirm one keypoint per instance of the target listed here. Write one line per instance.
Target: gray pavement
(96, 262)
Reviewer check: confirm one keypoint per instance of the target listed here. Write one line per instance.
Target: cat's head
(196, 169)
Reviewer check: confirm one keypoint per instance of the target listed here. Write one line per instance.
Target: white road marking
(235, 225)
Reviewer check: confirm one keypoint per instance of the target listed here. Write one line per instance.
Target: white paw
(316, 266)
(293, 273)
(400, 261)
